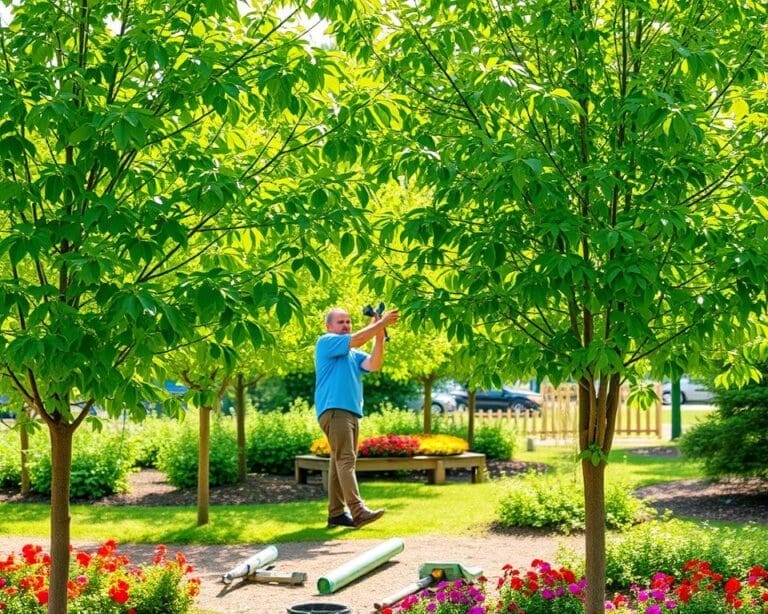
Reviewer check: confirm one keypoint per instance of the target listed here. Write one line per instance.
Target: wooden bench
(435, 466)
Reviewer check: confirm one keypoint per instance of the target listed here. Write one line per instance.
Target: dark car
(502, 399)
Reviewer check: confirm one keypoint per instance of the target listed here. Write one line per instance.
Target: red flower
(107, 548)
(83, 559)
(620, 600)
(42, 597)
(30, 553)
(119, 591)
(732, 586)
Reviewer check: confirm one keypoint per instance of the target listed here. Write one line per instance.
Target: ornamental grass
(399, 445)
(103, 581)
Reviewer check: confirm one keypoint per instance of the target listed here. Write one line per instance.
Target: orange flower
(193, 587)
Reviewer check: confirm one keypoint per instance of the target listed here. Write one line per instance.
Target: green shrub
(666, 546)
(391, 420)
(727, 446)
(101, 462)
(734, 439)
(10, 459)
(275, 438)
(536, 500)
(149, 436)
(164, 588)
(177, 457)
(495, 440)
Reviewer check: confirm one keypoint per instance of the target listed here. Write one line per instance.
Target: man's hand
(389, 317)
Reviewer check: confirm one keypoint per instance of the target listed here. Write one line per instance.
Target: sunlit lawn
(412, 509)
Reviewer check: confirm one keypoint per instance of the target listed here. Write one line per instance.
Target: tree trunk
(26, 484)
(61, 465)
(427, 408)
(240, 423)
(203, 468)
(472, 395)
(594, 536)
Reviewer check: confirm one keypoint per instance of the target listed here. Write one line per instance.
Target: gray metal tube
(358, 566)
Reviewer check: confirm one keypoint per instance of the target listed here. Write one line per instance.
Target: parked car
(501, 399)
(691, 391)
(442, 402)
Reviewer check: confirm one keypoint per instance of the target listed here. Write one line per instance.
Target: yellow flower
(320, 447)
(441, 445)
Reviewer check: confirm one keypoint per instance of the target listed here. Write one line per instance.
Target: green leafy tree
(207, 369)
(163, 173)
(596, 174)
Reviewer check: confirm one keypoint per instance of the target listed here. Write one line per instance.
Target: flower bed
(103, 581)
(381, 446)
(544, 589)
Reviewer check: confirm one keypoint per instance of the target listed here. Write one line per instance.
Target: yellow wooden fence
(559, 416)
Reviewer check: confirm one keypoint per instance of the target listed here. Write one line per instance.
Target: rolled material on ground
(359, 566)
(250, 565)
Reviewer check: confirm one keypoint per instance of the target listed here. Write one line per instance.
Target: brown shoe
(367, 516)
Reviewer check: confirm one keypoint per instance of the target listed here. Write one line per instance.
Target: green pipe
(358, 566)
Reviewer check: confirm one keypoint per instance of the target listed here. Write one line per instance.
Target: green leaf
(80, 134)
(284, 311)
(347, 244)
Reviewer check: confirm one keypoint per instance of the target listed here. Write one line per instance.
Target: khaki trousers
(341, 428)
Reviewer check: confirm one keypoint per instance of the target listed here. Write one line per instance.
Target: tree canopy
(597, 179)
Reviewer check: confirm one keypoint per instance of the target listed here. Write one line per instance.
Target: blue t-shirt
(338, 374)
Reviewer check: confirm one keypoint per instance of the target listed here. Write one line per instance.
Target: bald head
(337, 321)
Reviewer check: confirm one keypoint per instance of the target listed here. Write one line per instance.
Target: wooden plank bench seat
(435, 466)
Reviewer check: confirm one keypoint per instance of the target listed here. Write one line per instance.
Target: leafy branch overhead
(163, 175)
(595, 175)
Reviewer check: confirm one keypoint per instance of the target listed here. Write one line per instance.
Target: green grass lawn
(412, 509)
(624, 464)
